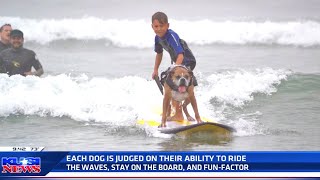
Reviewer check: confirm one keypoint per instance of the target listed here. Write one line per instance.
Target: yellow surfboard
(185, 127)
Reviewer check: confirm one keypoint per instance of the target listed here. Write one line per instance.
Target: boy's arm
(179, 59)
(157, 64)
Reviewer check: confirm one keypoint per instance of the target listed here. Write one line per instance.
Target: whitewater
(104, 100)
(258, 71)
(201, 32)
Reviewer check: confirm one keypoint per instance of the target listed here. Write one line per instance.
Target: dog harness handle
(156, 78)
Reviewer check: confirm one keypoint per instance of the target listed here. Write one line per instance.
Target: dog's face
(182, 78)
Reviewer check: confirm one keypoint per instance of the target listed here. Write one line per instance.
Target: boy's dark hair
(161, 17)
(1, 28)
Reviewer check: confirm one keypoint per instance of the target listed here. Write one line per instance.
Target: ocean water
(258, 70)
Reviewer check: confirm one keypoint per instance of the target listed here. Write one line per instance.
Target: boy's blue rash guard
(174, 45)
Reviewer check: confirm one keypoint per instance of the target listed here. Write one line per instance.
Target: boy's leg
(185, 110)
(194, 80)
(191, 66)
(178, 111)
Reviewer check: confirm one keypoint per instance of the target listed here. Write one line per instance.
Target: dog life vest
(174, 45)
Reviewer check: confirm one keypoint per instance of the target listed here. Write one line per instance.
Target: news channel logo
(19, 165)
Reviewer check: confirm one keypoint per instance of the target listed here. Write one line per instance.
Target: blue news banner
(41, 163)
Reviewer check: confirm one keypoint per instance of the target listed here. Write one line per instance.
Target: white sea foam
(138, 33)
(237, 87)
(122, 101)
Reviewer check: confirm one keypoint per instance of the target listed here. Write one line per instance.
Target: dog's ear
(191, 73)
(171, 73)
(191, 78)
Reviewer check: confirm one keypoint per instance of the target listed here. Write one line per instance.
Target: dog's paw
(190, 118)
(162, 125)
(199, 121)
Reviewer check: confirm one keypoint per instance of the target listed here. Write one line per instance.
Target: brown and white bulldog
(179, 87)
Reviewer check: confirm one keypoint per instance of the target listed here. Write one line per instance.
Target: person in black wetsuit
(5, 36)
(19, 60)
